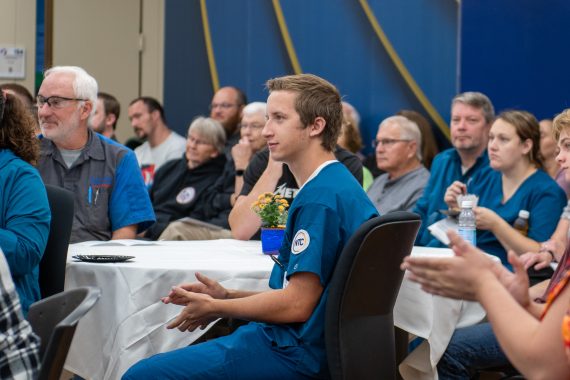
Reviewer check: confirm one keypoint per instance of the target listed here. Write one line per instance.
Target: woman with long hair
(24, 209)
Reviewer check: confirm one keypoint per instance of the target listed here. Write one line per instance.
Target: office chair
(52, 264)
(54, 320)
(359, 322)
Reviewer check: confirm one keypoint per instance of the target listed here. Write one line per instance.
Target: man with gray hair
(398, 153)
(111, 201)
(472, 114)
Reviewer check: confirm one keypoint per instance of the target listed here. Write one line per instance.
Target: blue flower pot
(271, 239)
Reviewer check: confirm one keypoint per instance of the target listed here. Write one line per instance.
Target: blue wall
(517, 52)
(332, 38)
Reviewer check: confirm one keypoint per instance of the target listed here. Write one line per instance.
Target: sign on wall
(12, 62)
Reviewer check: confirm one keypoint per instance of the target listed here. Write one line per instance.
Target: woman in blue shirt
(516, 183)
(24, 209)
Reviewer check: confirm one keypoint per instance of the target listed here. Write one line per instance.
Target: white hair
(210, 130)
(409, 130)
(255, 108)
(84, 85)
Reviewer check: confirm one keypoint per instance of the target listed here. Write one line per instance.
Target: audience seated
(179, 185)
(107, 112)
(221, 196)
(285, 339)
(429, 146)
(398, 153)
(24, 208)
(19, 346)
(476, 347)
(111, 201)
(264, 174)
(516, 183)
(471, 117)
(529, 333)
(548, 152)
(162, 144)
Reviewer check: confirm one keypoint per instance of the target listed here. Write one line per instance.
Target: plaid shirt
(19, 346)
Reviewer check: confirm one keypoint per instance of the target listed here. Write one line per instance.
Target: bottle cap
(524, 214)
(467, 204)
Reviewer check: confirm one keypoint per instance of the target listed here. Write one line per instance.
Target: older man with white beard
(111, 201)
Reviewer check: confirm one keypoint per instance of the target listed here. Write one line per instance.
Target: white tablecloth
(128, 322)
(430, 317)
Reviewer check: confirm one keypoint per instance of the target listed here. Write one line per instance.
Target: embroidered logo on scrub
(186, 195)
(300, 242)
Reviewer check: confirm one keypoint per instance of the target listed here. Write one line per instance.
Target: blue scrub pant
(246, 354)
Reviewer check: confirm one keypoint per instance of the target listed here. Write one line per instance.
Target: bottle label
(468, 234)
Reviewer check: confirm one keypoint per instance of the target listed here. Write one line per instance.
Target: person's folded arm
(244, 223)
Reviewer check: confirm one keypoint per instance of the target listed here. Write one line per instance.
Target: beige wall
(103, 37)
(18, 28)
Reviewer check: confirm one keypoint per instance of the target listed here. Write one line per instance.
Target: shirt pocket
(97, 217)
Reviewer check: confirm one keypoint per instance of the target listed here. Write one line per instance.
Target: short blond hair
(560, 123)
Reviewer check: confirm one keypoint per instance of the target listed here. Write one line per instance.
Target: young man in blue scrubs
(285, 339)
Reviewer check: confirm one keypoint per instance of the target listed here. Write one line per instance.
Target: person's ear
(155, 115)
(412, 148)
(527, 146)
(318, 126)
(110, 119)
(86, 110)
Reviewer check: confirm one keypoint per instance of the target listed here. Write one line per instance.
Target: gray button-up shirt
(108, 187)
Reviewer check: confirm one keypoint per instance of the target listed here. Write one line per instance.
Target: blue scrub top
(324, 215)
(539, 194)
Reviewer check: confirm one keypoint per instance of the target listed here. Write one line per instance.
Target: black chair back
(359, 323)
(52, 264)
(54, 320)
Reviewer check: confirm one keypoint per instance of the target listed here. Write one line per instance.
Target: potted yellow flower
(272, 209)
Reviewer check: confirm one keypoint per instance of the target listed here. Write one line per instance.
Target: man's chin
(466, 148)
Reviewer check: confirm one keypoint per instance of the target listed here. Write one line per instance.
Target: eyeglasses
(224, 106)
(57, 102)
(196, 141)
(387, 142)
(252, 126)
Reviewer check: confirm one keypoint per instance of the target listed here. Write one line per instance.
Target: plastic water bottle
(521, 223)
(467, 228)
